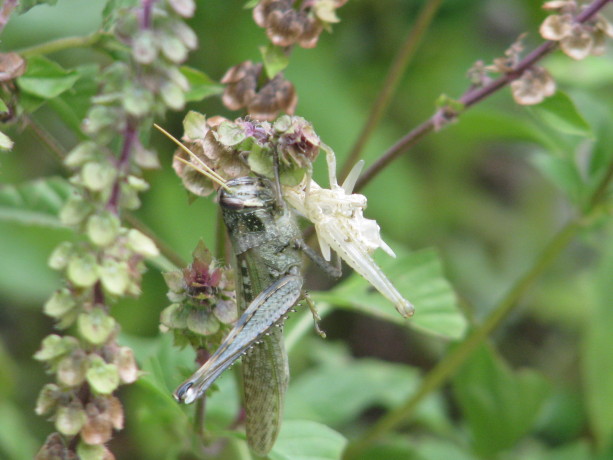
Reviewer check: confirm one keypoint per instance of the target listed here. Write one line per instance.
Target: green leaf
(46, 79)
(563, 172)
(337, 393)
(72, 105)
(115, 10)
(25, 5)
(306, 440)
(560, 113)
(34, 203)
(596, 369)
(499, 405)
(275, 60)
(201, 85)
(419, 278)
(436, 449)
(16, 437)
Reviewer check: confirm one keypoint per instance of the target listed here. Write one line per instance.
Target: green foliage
(500, 406)
(560, 113)
(489, 192)
(598, 341)
(34, 203)
(304, 440)
(419, 277)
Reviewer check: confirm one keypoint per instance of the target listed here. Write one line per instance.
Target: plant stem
(450, 363)
(390, 84)
(60, 44)
(468, 99)
(5, 12)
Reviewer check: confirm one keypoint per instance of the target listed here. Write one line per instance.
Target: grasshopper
(268, 247)
(264, 238)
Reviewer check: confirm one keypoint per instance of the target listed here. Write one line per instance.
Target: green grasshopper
(265, 240)
(268, 247)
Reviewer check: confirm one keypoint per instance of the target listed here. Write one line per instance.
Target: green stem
(392, 80)
(60, 44)
(450, 363)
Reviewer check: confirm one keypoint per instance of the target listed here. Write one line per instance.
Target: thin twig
(468, 99)
(60, 44)
(389, 86)
(6, 11)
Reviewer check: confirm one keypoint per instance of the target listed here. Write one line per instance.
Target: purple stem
(130, 138)
(145, 19)
(468, 99)
(5, 13)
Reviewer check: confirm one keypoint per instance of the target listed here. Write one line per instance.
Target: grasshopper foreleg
(314, 313)
(334, 270)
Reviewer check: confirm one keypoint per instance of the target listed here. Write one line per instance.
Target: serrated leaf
(46, 79)
(201, 85)
(560, 113)
(499, 405)
(275, 60)
(34, 203)
(419, 278)
(306, 440)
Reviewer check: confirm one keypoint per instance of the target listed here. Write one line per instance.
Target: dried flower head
(264, 101)
(204, 301)
(577, 40)
(245, 146)
(201, 138)
(533, 86)
(288, 22)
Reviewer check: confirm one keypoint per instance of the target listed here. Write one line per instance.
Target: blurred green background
(471, 190)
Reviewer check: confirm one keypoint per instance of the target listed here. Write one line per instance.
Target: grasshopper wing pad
(266, 309)
(265, 378)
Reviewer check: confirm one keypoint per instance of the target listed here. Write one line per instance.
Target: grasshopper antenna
(203, 169)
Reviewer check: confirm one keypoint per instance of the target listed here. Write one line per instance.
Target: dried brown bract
(288, 22)
(577, 40)
(533, 86)
(263, 101)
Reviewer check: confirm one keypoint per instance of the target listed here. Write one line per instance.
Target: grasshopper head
(247, 193)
